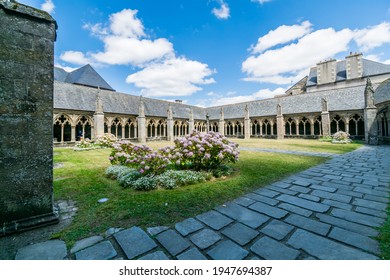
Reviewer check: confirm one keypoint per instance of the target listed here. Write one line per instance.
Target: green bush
(222, 170)
(126, 179)
(145, 183)
(114, 171)
(175, 178)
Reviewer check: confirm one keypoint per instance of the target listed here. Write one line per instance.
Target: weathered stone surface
(308, 224)
(309, 197)
(323, 188)
(314, 206)
(295, 209)
(243, 215)
(84, 243)
(277, 229)
(337, 204)
(240, 233)
(357, 217)
(188, 226)
(266, 192)
(214, 219)
(134, 242)
(300, 189)
(370, 204)
(156, 230)
(157, 256)
(205, 238)
(285, 191)
(358, 228)
(191, 254)
(332, 196)
(325, 249)
(101, 251)
(172, 242)
(262, 198)
(48, 250)
(369, 211)
(227, 250)
(270, 249)
(268, 210)
(357, 240)
(112, 231)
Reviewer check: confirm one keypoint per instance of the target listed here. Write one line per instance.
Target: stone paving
(330, 211)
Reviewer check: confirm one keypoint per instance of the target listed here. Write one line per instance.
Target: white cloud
(124, 43)
(66, 68)
(48, 6)
(75, 57)
(223, 12)
(225, 99)
(373, 36)
(261, 1)
(281, 35)
(172, 77)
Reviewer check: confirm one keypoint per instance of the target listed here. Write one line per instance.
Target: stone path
(330, 211)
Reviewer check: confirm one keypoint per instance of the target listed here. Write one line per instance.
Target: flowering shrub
(341, 137)
(85, 143)
(171, 179)
(144, 183)
(203, 151)
(106, 140)
(126, 179)
(114, 171)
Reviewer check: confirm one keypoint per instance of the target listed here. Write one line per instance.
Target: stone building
(351, 95)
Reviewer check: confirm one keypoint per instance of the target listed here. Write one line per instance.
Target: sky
(213, 52)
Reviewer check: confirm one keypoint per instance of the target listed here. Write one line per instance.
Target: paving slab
(48, 250)
(271, 211)
(266, 192)
(84, 243)
(188, 226)
(352, 216)
(262, 198)
(159, 255)
(277, 229)
(227, 250)
(295, 209)
(309, 197)
(324, 248)
(345, 206)
(371, 192)
(308, 224)
(285, 191)
(205, 238)
(369, 211)
(156, 230)
(173, 242)
(191, 254)
(100, 251)
(310, 205)
(134, 242)
(214, 219)
(240, 233)
(244, 201)
(300, 189)
(332, 196)
(271, 249)
(243, 215)
(357, 240)
(375, 198)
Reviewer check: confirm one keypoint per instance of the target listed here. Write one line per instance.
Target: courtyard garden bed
(84, 183)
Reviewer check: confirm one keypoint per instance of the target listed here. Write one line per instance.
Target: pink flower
(141, 171)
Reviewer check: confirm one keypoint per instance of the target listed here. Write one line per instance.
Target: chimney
(326, 72)
(354, 66)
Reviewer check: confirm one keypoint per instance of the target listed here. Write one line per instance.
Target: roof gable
(87, 76)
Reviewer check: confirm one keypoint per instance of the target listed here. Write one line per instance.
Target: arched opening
(337, 124)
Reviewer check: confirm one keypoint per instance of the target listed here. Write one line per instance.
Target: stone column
(73, 133)
(26, 117)
(370, 111)
(221, 124)
(141, 122)
(170, 124)
(325, 118)
(98, 118)
(280, 122)
(247, 124)
(191, 122)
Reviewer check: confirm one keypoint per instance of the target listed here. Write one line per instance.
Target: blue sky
(213, 52)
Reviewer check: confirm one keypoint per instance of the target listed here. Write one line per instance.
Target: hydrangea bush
(177, 165)
(341, 137)
(106, 140)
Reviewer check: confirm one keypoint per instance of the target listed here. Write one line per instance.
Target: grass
(300, 145)
(81, 180)
(384, 237)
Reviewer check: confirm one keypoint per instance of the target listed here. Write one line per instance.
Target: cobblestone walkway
(330, 211)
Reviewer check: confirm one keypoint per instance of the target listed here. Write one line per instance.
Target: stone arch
(317, 125)
(290, 126)
(304, 126)
(229, 128)
(84, 126)
(337, 124)
(130, 129)
(62, 128)
(356, 125)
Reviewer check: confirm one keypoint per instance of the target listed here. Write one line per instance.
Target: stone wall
(26, 101)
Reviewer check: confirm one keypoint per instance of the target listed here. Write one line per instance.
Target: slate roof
(85, 75)
(382, 93)
(370, 68)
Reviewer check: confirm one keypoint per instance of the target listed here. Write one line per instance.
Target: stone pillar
(141, 122)
(247, 124)
(221, 124)
(370, 111)
(325, 118)
(98, 118)
(280, 122)
(191, 122)
(26, 117)
(170, 124)
(73, 133)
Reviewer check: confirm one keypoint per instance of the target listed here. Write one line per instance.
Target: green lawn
(81, 180)
(299, 145)
(384, 237)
